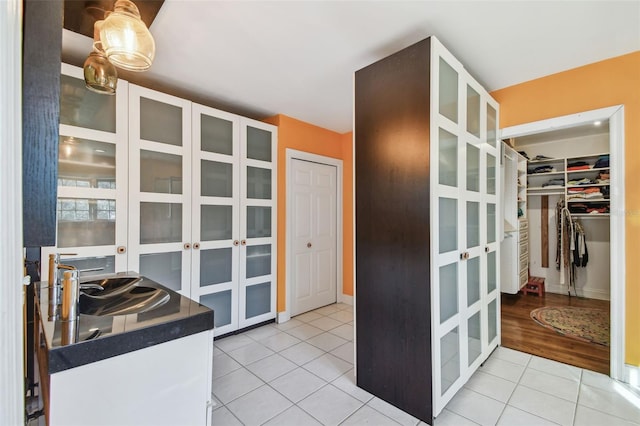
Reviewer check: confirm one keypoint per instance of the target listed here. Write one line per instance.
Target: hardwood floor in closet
(520, 332)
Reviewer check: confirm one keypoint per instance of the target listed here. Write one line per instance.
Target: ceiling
(298, 57)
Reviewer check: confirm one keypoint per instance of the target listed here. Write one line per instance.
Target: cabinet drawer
(524, 262)
(524, 277)
(524, 224)
(524, 248)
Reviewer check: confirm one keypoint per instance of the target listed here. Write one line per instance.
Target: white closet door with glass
(258, 173)
(92, 177)
(464, 221)
(216, 214)
(160, 187)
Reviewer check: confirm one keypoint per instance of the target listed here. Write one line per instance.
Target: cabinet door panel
(160, 195)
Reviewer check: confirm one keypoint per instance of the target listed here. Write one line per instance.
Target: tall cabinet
(427, 211)
(182, 193)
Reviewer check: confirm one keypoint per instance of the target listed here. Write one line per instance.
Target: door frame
(615, 116)
(292, 154)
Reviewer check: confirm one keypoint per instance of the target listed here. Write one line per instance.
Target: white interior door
(314, 235)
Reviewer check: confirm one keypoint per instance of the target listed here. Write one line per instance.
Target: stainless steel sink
(103, 288)
(120, 296)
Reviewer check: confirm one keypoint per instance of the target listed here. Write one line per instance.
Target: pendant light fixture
(126, 40)
(100, 75)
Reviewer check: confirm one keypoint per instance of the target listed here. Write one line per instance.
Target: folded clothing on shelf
(542, 169)
(602, 162)
(583, 181)
(554, 182)
(595, 208)
(578, 165)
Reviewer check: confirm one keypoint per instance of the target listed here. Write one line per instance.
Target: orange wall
(612, 82)
(296, 134)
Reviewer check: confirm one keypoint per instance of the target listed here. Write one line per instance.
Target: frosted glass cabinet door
(216, 213)
(257, 288)
(159, 187)
(92, 176)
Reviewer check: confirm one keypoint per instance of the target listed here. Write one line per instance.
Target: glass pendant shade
(100, 75)
(125, 38)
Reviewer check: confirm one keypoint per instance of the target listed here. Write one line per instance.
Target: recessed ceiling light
(100, 150)
(597, 123)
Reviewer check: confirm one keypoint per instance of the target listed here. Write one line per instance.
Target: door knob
(308, 245)
(236, 242)
(486, 249)
(187, 246)
(196, 246)
(243, 242)
(121, 249)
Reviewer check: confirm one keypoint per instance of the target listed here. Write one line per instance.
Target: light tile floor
(301, 373)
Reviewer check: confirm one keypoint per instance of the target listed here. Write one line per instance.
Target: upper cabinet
(182, 193)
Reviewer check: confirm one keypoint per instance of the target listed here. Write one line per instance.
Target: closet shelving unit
(535, 181)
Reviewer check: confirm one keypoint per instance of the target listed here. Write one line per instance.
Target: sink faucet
(70, 285)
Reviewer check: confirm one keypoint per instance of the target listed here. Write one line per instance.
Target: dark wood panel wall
(393, 315)
(42, 45)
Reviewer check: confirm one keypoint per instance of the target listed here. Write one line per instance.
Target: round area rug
(586, 324)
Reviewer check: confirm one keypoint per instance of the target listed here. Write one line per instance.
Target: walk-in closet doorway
(614, 117)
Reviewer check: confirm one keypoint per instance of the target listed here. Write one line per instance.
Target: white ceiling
(298, 57)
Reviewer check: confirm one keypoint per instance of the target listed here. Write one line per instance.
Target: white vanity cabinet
(184, 194)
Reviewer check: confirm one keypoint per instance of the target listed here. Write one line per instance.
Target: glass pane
(258, 183)
(215, 266)
(491, 126)
(448, 158)
(258, 222)
(448, 91)
(160, 223)
(221, 305)
(216, 223)
(449, 359)
(258, 300)
(473, 168)
(104, 264)
(258, 260)
(491, 272)
(86, 163)
(491, 174)
(474, 338)
(160, 172)
(216, 135)
(491, 223)
(160, 122)
(492, 318)
(473, 112)
(448, 291)
(164, 268)
(83, 108)
(473, 224)
(448, 226)
(258, 144)
(216, 179)
(86, 222)
(473, 280)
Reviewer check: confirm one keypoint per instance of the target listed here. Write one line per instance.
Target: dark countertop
(117, 335)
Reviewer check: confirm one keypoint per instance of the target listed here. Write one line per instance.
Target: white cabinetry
(515, 245)
(182, 193)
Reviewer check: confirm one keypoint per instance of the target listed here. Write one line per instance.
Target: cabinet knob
(464, 256)
(187, 246)
(121, 250)
(486, 249)
(243, 242)
(308, 245)
(236, 242)
(196, 246)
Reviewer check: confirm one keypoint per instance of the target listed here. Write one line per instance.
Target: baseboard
(283, 317)
(632, 376)
(346, 299)
(589, 294)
